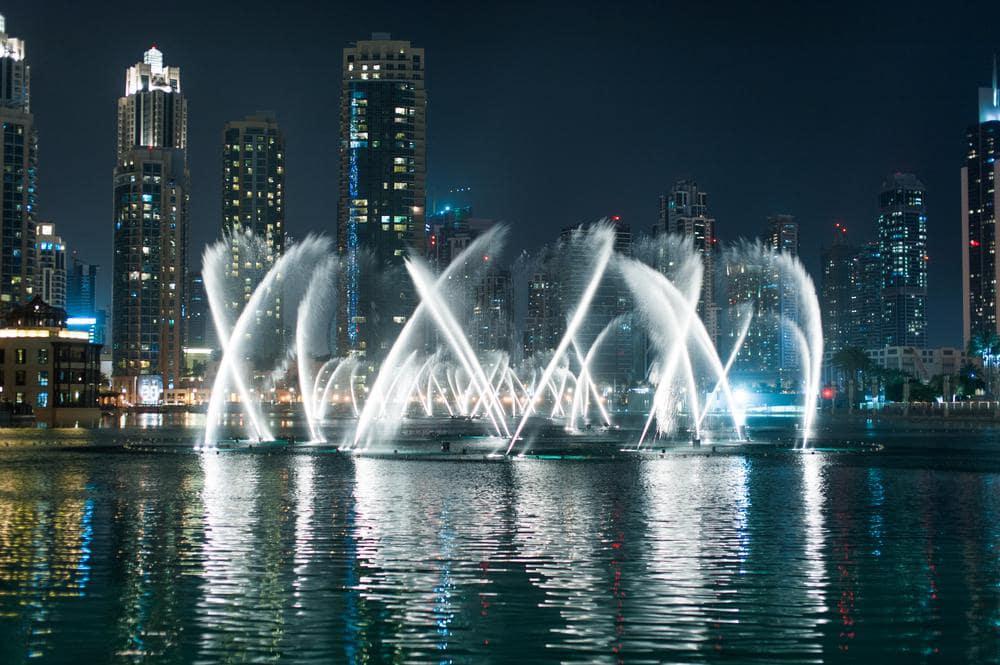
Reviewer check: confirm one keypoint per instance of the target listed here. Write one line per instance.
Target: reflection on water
(110, 556)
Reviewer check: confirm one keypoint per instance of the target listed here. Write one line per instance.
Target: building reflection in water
(46, 532)
(246, 555)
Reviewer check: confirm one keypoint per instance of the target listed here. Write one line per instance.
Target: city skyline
(889, 135)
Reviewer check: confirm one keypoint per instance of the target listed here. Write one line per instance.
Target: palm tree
(986, 345)
(854, 365)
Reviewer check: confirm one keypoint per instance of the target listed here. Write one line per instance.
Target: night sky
(552, 113)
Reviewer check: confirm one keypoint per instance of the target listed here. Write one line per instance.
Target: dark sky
(553, 113)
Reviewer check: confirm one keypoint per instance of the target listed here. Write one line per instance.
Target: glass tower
(253, 201)
(382, 188)
(902, 248)
(684, 211)
(980, 202)
(18, 186)
(50, 270)
(149, 272)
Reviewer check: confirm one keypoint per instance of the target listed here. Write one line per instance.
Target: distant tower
(383, 147)
(980, 203)
(836, 286)
(253, 200)
(50, 270)
(149, 273)
(81, 288)
(544, 322)
(684, 211)
(18, 187)
(783, 237)
(866, 298)
(902, 246)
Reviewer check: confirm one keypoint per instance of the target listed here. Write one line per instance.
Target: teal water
(111, 555)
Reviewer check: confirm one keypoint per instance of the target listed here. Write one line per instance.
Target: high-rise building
(253, 201)
(383, 144)
(751, 290)
(836, 288)
(902, 246)
(866, 298)
(783, 237)
(18, 187)
(756, 286)
(50, 265)
(149, 273)
(81, 288)
(201, 329)
(615, 362)
(684, 211)
(493, 311)
(81, 301)
(544, 322)
(980, 203)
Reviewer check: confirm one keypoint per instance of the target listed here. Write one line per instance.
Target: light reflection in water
(245, 556)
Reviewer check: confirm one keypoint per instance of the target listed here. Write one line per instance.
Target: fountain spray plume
(603, 238)
(486, 243)
(234, 337)
(797, 316)
(667, 322)
(312, 324)
(455, 336)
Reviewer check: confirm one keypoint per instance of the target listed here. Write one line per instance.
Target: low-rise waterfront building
(46, 370)
(924, 364)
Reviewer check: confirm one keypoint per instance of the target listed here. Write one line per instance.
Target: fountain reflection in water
(433, 369)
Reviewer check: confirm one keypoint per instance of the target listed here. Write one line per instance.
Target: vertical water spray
(606, 239)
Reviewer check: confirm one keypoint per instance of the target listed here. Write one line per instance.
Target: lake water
(753, 555)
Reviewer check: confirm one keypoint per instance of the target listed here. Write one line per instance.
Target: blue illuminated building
(382, 188)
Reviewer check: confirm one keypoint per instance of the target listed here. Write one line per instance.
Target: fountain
(434, 370)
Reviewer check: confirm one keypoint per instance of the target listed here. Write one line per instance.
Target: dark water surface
(304, 556)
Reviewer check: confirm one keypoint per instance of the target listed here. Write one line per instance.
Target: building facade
(149, 274)
(493, 311)
(81, 287)
(782, 236)
(684, 211)
(980, 203)
(902, 243)
(544, 320)
(839, 269)
(253, 201)
(50, 265)
(866, 298)
(46, 370)
(19, 185)
(382, 198)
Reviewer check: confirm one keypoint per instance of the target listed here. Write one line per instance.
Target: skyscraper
(684, 211)
(902, 246)
(783, 237)
(201, 330)
(836, 286)
(18, 187)
(544, 322)
(382, 187)
(493, 311)
(50, 265)
(980, 203)
(149, 273)
(81, 288)
(768, 354)
(253, 201)
(866, 298)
